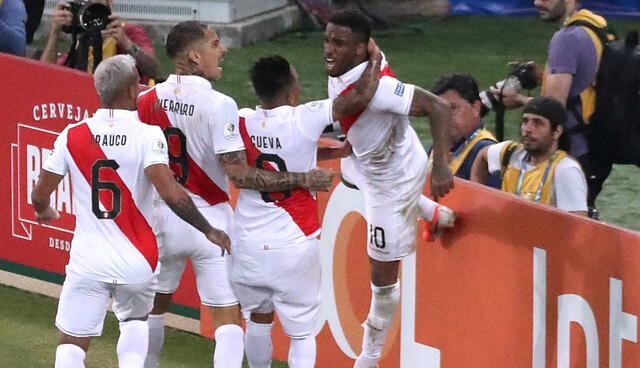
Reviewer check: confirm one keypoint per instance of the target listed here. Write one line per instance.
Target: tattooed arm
(425, 103)
(365, 88)
(179, 201)
(244, 176)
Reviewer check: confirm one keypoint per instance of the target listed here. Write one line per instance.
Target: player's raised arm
(365, 88)
(179, 201)
(244, 176)
(425, 103)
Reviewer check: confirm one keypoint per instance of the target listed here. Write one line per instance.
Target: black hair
(553, 110)
(270, 76)
(464, 84)
(183, 35)
(354, 20)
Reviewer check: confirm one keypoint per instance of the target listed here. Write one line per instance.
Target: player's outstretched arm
(244, 176)
(179, 201)
(425, 103)
(480, 167)
(41, 196)
(365, 88)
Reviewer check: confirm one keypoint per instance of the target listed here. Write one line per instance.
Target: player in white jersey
(391, 165)
(114, 162)
(201, 126)
(276, 259)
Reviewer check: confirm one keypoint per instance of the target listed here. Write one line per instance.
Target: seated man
(117, 38)
(467, 133)
(539, 168)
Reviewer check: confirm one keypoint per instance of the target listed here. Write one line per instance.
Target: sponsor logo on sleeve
(399, 89)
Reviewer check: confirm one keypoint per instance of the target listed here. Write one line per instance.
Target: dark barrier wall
(618, 8)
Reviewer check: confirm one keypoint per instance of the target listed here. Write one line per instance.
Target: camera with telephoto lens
(521, 78)
(87, 16)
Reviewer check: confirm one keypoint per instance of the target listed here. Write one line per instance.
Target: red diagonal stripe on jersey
(198, 182)
(301, 205)
(347, 122)
(130, 220)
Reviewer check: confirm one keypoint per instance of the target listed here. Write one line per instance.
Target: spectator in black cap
(539, 167)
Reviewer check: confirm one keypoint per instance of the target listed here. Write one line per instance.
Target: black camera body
(87, 16)
(522, 77)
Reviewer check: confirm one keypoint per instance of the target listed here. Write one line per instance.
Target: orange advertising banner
(515, 284)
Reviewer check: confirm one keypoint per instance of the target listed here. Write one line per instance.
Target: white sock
(133, 344)
(258, 345)
(302, 353)
(229, 347)
(156, 340)
(384, 302)
(426, 207)
(69, 356)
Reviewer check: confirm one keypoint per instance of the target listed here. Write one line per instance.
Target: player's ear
(361, 49)
(194, 56)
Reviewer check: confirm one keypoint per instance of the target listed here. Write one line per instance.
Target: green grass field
(419, 53)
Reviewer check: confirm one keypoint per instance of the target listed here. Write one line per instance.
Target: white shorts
(178, 240)
(392, 217)
(83, 304)
(285, 280)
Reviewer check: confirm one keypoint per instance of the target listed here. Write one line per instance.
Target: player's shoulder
(219, 100)
(147, 92)
(246, 112)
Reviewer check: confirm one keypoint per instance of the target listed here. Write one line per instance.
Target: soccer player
(114, 162)
(276, 259)
(390, 164)
(205, 150)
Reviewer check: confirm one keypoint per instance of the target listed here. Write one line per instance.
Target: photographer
(569, 77)
(116, 38)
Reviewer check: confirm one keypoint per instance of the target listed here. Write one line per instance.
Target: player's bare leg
(385, 297)
(257, 340)
(71, 351)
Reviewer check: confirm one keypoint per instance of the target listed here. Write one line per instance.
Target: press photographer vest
(459, 158)
(534, 183)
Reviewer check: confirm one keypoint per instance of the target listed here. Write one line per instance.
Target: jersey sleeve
(225, 127)
(570, 186)
(392, 96)
(57, 161)
(313, 117)
(494, 156)
(155, 147)
(563, 53)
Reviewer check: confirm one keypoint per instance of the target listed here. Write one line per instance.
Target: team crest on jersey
(399, 90)
(229, 131)
(314, 106)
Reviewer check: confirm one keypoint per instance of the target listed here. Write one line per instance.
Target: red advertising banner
(515, 284)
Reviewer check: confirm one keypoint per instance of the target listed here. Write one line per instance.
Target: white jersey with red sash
(199, 123)
(105, 157)
(384, 144)
(282, 139)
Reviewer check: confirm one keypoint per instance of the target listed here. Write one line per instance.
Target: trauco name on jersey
(111, 140)
(179, 108)
(266, 142)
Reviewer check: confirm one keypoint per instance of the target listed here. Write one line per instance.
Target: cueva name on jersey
(177, 107)
(266, 142)
(109, 139)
